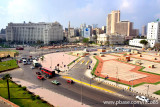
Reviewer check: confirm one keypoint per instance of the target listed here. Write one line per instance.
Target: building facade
(33, 32)
(144, 31)
(115, 26)
(153, 35)
(111, 39)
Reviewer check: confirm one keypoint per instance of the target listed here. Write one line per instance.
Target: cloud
(127, 6)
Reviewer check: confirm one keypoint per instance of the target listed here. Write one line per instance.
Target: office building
(153, 35)
(144, 31)
(111, 39)
(115, 26)
(104, 29)
(33, 32)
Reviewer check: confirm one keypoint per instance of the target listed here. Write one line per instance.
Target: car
(38, 73)
(143, 98)
(69, 81)
(57, 50)
(40, 77)
(55, 82)
(20, 61)
(95, 54)
(32, 67)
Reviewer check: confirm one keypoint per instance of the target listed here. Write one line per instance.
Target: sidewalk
(142, 89)
(53, 98)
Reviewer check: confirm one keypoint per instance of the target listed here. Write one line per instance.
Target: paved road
(90, 96)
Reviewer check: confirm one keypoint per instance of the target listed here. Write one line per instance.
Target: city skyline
(78, 12)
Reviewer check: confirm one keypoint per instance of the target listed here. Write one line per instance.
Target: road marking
(82, 62)
(97, 87)
(78, 60)
(87, 62)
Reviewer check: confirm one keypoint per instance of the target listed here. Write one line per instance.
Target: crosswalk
(84, 62)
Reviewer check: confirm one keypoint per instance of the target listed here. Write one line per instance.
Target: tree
(157, 46)
(7, 77)
(86, 41)
(144, 43)
(107, 43)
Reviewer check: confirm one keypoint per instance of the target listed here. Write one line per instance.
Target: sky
(78, 12)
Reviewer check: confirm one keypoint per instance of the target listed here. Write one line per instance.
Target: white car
(142, 98)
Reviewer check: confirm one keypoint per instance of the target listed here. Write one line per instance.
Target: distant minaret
(69, 29)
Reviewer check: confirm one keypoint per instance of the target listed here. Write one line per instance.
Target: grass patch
(157, 92)
(5, 65)
(93, 71)
(73, 61)
(19, 96)
(97, 62)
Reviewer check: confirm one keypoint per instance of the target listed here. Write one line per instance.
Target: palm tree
(7, 77)
(144, 43)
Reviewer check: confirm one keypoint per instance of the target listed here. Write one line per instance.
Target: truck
(36, 63)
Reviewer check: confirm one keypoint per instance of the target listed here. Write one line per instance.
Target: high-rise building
(33, 32)
(115, 26)
(144, 29)
(153, 35)
(94, 26)
(104, 29)
(70, 31)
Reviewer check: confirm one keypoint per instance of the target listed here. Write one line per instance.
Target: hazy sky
(78, 11)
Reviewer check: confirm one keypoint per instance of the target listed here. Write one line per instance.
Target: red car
(40, 77)
(38, 73)
(70, 81)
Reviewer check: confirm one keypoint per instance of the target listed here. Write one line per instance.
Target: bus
(47, 71)
(36, 63)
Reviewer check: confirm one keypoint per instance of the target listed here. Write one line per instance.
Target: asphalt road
(90, 96)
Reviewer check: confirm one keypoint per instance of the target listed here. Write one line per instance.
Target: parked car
(69, 81)
(38, 73)
(143, 98)
(55, 82)
(40, 77)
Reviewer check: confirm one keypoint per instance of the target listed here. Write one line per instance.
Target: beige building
(33, 32)
(115, 26)
(70, 31)
(104, 29)
(111, 39)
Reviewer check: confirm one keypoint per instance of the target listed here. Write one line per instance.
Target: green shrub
(37, 97)
(24, 88)
(19, 86)
(33, 97)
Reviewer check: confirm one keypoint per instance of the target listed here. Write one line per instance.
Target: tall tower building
(144, 31)
(69, 29)
(115, 26)
(112, 19)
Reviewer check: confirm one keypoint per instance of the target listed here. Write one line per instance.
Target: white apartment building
(153, 35)
(32, 32)
(112, 39)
